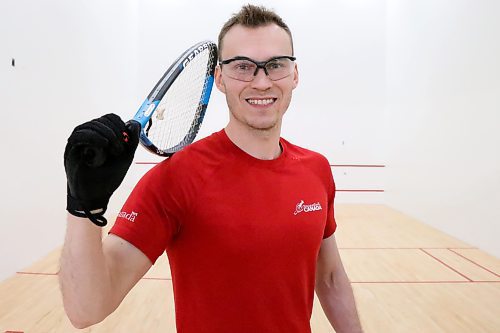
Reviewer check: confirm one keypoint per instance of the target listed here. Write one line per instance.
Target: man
(246, 218)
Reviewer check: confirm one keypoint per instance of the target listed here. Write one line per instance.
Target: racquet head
(172, 114)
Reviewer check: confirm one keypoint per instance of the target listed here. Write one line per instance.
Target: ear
(295, 77)
(219, 82)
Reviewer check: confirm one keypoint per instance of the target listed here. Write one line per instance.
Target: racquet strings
(179, 111)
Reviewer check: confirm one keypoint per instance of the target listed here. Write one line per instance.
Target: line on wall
(357, 165)
(356, 190)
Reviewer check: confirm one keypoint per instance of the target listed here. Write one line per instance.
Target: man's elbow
(83, 319)
(79, 324)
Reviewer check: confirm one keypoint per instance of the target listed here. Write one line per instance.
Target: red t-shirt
(242, 235)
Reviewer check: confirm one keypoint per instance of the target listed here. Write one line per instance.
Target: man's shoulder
(312, 162)
(200, 154)
(304, 154)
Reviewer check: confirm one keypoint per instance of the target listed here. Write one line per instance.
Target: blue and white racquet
(172, 114)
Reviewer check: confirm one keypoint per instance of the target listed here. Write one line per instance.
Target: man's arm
(334, 289)
(96, 274)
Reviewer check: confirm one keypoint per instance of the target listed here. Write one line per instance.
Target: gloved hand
(96, 159)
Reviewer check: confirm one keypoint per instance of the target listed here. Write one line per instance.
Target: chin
(256, 122)
(261, 126)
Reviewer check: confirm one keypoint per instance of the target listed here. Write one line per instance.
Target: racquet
(172, 114)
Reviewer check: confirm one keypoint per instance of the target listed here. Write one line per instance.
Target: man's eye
(274, 65)
(243, 66)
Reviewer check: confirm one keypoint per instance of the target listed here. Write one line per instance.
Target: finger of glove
(81, 154)
(96, 130)
(89, 137)
(133, 129)
(83, 137)
(115, 123)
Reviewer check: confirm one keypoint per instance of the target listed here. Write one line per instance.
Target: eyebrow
(239, 57)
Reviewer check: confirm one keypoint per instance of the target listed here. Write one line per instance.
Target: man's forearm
(337, 300)
(84, 277)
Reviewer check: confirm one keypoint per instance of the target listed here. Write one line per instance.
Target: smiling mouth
(262, 101)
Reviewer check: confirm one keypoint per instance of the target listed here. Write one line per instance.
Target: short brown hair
(253, 16)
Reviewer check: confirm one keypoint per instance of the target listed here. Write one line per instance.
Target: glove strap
(74, 207)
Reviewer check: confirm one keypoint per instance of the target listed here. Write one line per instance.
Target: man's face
(261, 103)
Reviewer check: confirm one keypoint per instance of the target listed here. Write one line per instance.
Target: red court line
(420, 282)
(475, 263)
(340, 248)
(405, 248)
(360, 190)
(357, 165)
(55, 274)
(445, 264)
(353, 282)
(37, 273)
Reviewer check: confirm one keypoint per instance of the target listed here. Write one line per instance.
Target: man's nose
(261, 80)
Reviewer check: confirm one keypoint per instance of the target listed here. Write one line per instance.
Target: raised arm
(95, 276)
(334, 289)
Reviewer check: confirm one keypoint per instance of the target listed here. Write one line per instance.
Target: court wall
(400, 101)
(442, 116)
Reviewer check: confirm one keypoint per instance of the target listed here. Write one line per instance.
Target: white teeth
(261, 101)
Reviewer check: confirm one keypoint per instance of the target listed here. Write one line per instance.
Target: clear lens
(245, 70)
(242, 68)
(279, 68)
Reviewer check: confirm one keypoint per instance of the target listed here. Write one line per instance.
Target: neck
(261, 144)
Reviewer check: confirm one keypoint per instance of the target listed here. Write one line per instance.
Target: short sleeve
(148, 217)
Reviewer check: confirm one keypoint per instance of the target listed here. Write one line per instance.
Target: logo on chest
(307, 208)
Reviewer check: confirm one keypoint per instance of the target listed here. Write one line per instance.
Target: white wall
(442, 120)
(411, 85)
(75, 60)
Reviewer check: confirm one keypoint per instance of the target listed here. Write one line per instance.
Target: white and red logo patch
(300, 207)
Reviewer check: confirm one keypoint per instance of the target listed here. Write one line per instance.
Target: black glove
(96, 159)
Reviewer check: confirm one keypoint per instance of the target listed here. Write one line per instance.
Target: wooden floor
(406, 276)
